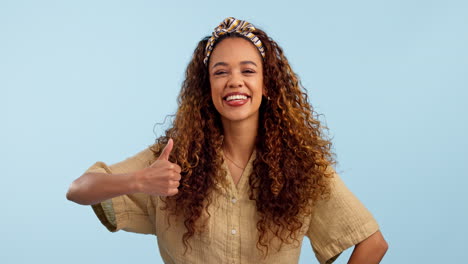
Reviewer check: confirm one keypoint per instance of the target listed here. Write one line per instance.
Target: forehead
(234, 50)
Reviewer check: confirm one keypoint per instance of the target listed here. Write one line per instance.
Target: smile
(236, 97)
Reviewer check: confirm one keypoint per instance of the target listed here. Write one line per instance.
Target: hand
(162, 177)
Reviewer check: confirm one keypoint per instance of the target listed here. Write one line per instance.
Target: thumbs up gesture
(162, 177)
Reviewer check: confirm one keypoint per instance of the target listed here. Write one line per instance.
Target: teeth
(236, 97)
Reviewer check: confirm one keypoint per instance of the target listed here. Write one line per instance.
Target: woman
(243, 174)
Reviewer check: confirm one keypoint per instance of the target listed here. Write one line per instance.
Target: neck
(239, 140)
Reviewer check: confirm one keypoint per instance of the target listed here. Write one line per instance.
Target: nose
(235, 81)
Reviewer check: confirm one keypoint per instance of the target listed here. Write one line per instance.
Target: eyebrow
(222, 63)
(248, 62)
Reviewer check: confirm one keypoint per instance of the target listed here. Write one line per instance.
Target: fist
(162, 177)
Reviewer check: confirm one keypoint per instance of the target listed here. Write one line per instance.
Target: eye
(248, 71)
(220, 72)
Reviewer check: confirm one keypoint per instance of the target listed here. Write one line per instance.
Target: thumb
(167, 150)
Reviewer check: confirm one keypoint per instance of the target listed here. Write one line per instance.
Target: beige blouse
(231, 234)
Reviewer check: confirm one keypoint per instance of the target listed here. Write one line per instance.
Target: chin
(238, 117)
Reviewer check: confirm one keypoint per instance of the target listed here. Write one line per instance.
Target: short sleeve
(132, 212)
(339, 222)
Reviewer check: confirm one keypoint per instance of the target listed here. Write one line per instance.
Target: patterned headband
(230, 25)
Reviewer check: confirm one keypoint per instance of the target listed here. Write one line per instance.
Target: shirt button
(233, 200)
(233, 231)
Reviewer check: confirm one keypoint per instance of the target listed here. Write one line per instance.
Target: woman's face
(236, 79)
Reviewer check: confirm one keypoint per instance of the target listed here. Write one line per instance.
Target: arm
(93, 188)
(161, 178)
(369, 251)
(341, 222)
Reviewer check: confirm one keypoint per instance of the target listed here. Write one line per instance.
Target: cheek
(259, 89)
(215, 93)
(212, 89)
(216, 96)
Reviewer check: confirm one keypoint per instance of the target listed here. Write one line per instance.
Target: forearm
(93, 188)
(369, 251)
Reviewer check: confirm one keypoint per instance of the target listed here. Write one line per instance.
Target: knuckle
(167, 192)
(173, 192)
(175, 184)
(169, 181)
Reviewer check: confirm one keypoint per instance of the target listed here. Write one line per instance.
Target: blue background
(83, 81)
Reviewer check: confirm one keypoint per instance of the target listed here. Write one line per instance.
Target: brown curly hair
(289, 172)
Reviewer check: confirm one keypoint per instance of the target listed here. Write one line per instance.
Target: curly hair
(293, 154)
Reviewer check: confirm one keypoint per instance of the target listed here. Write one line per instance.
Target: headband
(230, 25)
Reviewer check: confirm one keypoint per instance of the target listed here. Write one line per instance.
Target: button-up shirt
(230, 233)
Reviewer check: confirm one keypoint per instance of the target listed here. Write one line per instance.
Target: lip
(235, 93)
